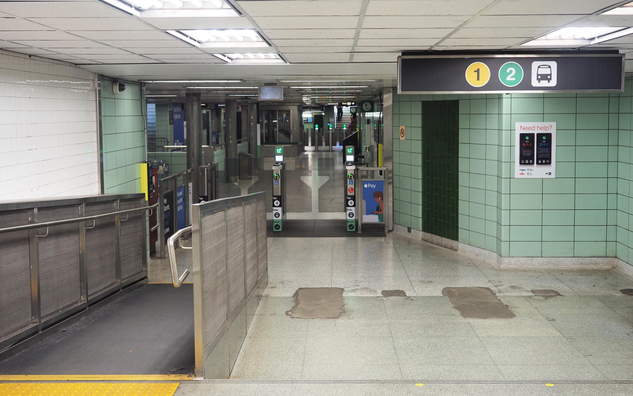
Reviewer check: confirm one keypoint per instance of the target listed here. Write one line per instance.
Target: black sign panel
(565, 72)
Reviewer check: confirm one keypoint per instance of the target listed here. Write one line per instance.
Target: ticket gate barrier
(350, 189)
(279, 190)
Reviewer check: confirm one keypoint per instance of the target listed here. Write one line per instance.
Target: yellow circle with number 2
(478, 74)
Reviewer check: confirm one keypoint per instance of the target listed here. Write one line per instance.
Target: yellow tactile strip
(88, 389)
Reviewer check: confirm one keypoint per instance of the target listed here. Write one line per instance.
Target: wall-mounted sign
(535, 150)
(367, 106)
(403, 132)
(552, 72)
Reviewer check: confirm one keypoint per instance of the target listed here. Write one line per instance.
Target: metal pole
(160, 220)
(193, 115)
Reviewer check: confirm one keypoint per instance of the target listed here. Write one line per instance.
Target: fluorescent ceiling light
(184, 38)
(613, 36)
(123, 7)
(221, 87)
(579, 36)
(626, 9)
(324, 81)
(331, 87)
(203, 36)
(191, 81)
(222, 57)
(161, 96)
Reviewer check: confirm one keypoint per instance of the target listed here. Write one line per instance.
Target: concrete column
(193, 117)
(387, 148)
(230, 132)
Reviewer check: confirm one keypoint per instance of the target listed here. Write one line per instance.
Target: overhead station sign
(501, 73)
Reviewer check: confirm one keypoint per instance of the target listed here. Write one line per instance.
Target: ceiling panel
(199, 23)
(8, 44)
(404, 33)
(119, 58)
(301, 8)
(412, 22)
(174, 43)
(121, 34)
(37, 35)
(91, 51)
(286, 50)
(377, 57)
(309, 33)
(509, 41)
(528, 21)
(386, 49)
(499, 32)
(396, 42)
(53, 9)
(606, 20)
(20, 24)
(60, 44)
(307, 23)
(37, 51)
(314, 43)
(326, 57)
(164, 51)
(549, 7)
(92, 23)
(427, 7)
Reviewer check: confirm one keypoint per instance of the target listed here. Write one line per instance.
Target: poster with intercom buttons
(535, 150)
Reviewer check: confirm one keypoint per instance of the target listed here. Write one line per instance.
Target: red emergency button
(350, 190)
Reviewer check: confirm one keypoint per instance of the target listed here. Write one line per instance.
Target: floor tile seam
(305, 350)
(600, 371)
(393, 342)
(401, 382)
(487, 351)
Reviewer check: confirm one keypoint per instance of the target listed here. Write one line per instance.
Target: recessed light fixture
(258, 58)
(626, 9)
(324, 81)
(184, 38)
(192, 81)
(221, 87)
(174, 8)
(579, 36)
(330, 87)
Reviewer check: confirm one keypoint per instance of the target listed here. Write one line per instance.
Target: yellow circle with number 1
(478, 74)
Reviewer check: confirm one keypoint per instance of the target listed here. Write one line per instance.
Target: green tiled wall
(583, 212)
(123, 138)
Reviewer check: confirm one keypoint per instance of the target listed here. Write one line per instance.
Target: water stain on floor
(628, 292)
(477, 303)
(545, 293)
(393, 293)
(317, 303)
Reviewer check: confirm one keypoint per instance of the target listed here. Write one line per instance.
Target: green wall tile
(558, 249)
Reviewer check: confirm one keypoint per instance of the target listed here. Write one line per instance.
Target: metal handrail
(70, 221)
(172, 256)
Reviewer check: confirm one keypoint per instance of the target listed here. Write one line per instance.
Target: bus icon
(544, 74)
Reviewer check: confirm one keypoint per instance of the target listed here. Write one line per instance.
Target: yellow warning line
(152, 377)
(88, 389)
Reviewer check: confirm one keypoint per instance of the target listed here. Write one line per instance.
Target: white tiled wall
(48, 129)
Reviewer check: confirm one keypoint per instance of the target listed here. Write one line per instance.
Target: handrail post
(160, 236)
(177, 280)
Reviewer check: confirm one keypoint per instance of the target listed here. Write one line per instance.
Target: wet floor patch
(317, 303)
(477, 303)
(545, 293)
(628, 292)
(393, 293)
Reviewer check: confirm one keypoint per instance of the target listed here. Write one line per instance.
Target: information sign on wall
(501, 73)
(535, 150)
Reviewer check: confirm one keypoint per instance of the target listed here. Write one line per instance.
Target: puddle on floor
(317, 303)
(394, 293)
(477, 303)
(545, 293)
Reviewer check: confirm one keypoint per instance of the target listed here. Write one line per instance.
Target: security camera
(118, 87)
